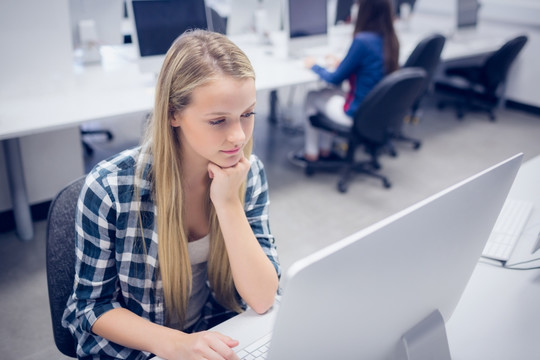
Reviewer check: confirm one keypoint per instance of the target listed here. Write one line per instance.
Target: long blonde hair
(195, 58)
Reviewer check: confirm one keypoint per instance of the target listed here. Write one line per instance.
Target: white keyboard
(257, 350)
(507, 229)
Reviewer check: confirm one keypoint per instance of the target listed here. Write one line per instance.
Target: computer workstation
(404, 285)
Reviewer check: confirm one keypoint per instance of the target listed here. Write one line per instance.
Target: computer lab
(270, 179)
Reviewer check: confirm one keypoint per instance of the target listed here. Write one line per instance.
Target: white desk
(498, 316)
(118, 88)
(115, 88)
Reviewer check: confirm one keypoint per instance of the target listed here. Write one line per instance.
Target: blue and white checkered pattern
(113, 270)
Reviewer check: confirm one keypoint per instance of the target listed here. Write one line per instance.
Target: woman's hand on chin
(226, 182)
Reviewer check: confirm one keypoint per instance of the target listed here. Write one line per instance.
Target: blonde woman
(173, 236)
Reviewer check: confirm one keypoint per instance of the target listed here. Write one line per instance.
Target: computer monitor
(390, 288)
(274, 13)
(157, 23)
(95, 23)
(467, 14)
(343, 11)
(306, 24)
(106, 16)
(241, 19)
(250, 16)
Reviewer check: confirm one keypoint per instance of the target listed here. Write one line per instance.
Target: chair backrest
(496, 66)
(382, 111)
(60, 252)
(427, 55)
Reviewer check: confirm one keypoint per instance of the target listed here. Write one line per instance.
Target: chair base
(416, 144)
(365, 168)
(462, 108)
(88, 149)
(347, 170)
(465, 101)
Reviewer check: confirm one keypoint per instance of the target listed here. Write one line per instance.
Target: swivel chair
(379, 116)
(88, 149)
(426, 55)
(479, 86)
(60, 262)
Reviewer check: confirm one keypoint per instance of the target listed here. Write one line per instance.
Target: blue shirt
(113, 270)
(363, 66)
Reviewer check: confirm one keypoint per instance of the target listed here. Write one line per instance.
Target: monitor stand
(426, 340)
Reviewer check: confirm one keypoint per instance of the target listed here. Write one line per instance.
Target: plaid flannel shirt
(113, 270)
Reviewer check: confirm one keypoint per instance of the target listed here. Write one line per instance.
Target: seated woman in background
(373, 54)
(173, 236)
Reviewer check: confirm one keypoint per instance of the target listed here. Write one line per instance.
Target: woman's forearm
(254, 275)
(130, 330)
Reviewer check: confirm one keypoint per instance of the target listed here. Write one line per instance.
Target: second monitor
(157, 23)
(306, 23)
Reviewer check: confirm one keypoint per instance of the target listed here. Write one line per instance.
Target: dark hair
(378, 16)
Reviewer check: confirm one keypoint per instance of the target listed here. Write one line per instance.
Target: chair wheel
(309, 171)
(387, 184)
(342, 186)
(417, 145)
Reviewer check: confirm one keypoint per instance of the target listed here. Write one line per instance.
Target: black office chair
(60, 261)
(88, 149)
(426, 55)
(479, 86)
(379, 116)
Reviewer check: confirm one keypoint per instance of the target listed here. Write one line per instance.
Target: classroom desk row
(117, 88)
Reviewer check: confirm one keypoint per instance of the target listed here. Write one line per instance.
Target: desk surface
(117, 87)
(498, 316)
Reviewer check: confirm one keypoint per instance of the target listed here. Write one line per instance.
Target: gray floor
(306, 213)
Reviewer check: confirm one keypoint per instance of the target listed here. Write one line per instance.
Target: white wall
(36, 45)
(37, 56)
(518, 16)
(521, 12)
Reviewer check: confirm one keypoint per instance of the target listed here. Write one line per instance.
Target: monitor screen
(467, 13)
(159, 22)
(343, 11)
(307, 18)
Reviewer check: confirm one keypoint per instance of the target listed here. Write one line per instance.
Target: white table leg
(17, 187)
